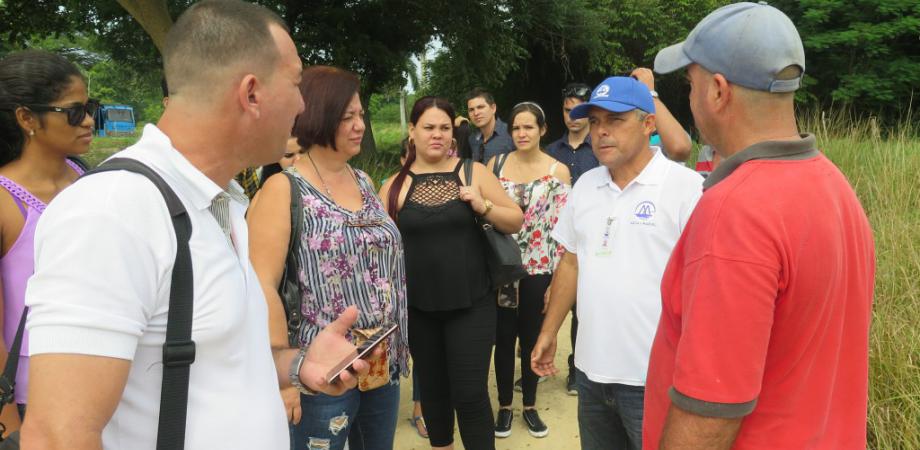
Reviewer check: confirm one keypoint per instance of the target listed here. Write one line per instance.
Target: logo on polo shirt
(602, 91)
(644, 210)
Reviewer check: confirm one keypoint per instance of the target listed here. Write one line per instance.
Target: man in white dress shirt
(105, 250)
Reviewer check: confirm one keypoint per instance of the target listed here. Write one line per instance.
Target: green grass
(884, 169)
(102, 148)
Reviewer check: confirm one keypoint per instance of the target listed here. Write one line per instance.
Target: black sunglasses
(580, 92)
(75, 113)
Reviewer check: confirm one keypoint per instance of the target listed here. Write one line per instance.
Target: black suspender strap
(8, 378)
(179, 349)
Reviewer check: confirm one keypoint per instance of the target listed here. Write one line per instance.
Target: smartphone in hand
(363, 351)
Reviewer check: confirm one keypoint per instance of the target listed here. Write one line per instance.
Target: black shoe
(570, 385)
(517, 383)
(535, 426)
(503, 423)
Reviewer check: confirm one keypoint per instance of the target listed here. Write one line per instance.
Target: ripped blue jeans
(367, 420)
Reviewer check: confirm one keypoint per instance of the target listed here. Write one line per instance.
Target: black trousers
(522, 323)
(572, 336)
(451, 352)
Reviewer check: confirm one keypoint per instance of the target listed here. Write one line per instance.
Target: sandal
(421, 430)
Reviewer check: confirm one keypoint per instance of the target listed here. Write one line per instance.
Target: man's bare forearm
(673, 136)
(687, 431)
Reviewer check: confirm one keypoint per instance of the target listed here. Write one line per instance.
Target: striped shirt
(351, 258)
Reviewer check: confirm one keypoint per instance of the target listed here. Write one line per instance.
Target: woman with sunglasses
(451, 302)
(539, 184)
(45, 119)
(349, 253)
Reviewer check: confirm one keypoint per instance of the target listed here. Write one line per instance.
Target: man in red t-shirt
(766, 300)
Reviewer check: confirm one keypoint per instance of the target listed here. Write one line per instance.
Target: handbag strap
(292, 307)
(500, 160)
(8, 378)
(468, 171)
(179, 349)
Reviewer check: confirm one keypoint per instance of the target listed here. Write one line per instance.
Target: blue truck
(115, 120)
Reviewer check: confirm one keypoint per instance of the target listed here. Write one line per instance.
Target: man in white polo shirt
(105, 250)
(618, 227)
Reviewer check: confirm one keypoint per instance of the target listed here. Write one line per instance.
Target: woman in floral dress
(539, 185)
(349, 253)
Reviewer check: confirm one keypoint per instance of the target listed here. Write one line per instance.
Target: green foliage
(538, 46)
(114, 83)
(861, 53)
(483, 43)
(635, 30)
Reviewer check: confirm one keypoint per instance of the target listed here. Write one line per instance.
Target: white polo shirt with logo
(105, 249)
(623, 239)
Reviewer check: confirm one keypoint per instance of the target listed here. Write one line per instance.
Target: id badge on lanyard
(614, 220)
(610, 229)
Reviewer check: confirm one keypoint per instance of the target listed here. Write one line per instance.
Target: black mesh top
(445, 251)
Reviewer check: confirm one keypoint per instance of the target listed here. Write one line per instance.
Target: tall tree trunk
(153, 16)
(368, 145)
(402, 111)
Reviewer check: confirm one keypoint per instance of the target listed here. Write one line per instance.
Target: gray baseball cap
(748, 43)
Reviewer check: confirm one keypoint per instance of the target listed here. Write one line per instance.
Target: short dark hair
(326, 93)
(164, 87)
(215, 34)
(578, 91)
(31, 77)
(480, 92)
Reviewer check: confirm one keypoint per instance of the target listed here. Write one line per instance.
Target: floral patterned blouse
(351, 258)
(542, 201)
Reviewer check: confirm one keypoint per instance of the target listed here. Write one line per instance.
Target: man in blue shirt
(574, 147)
(492, 137)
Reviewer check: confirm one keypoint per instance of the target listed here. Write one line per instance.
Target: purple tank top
(16, 266)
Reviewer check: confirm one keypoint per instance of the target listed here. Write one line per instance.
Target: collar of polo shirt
(653, 172)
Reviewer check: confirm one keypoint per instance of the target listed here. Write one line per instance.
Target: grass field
(885, 171)
(884, 168)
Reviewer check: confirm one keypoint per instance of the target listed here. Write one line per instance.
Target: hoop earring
(453, 144)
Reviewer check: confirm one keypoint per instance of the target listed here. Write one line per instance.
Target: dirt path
(557, 409)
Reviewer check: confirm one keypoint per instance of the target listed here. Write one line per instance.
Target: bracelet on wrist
(489, 206)
(294, 372)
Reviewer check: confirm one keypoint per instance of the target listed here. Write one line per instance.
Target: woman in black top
(451, 303)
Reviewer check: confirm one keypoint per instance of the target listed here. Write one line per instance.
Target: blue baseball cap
(617, 94)
(748, 43)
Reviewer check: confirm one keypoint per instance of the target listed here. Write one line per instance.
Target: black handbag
(504, 256)
(289, 289)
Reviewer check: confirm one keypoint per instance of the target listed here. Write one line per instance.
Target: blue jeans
(367, 420)
(609, 415)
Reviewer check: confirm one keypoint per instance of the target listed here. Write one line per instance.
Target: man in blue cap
(767, 299)
(618, 227)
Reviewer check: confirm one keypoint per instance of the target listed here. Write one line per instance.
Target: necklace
(321, 180)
